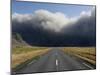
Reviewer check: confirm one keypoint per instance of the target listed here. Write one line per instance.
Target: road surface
(55, 60)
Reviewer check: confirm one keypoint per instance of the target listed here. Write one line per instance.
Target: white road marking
(88, 66)
(56, 62)
(31, 62)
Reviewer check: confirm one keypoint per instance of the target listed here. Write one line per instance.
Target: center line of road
(56, 62)
(88, 66)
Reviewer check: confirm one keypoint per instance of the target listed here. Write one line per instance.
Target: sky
(49, 24)
(29, 7)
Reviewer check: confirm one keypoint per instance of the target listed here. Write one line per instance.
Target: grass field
(86, 53)
(24, 53)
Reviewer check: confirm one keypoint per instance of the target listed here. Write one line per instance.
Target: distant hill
(17, 40)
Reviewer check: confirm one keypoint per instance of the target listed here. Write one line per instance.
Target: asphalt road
(55, 60)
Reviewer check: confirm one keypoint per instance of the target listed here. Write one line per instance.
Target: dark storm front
(48, 23)
(48, 38)
(81, 33)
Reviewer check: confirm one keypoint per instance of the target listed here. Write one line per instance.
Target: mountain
(17, 40)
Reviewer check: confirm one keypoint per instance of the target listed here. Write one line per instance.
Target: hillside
(17, 40)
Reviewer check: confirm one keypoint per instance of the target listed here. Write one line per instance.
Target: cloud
(45, 28)
(48, 20)
(84, 22)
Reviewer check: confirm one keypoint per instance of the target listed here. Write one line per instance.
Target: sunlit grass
(22, 54)
(25, 49)
(85, 53)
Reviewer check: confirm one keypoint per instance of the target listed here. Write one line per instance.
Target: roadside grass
(25, 54)
(86, 53)
(25, 63)
(24, 49)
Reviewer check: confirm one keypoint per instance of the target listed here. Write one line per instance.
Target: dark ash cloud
(45, 28)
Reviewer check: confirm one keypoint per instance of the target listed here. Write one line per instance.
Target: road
(55, 60)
